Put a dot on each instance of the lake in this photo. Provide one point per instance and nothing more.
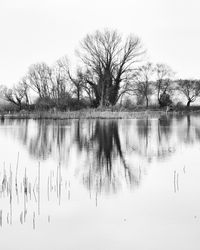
(100, 184)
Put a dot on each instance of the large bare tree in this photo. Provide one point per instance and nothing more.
(109, 61)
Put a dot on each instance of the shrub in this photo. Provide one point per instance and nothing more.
(165, 100)
(179, 104)
(44, 103)
(128, 104)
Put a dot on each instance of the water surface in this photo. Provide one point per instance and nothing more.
(100, 184)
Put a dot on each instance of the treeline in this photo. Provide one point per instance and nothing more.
(110, 71)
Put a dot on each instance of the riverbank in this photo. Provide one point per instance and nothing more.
(92, 114)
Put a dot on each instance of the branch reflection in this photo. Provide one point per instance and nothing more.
(106, 168)
(110, 150)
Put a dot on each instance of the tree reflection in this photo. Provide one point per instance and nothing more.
(189, 139)
(105, 147)
(165, 141)
(164, 127)
(39, 146)
(106, 167)
(153, 138)
(42, 138)
(144, 130)
(189, 131)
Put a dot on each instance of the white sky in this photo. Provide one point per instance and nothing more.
(45, 30)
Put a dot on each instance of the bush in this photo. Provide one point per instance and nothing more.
(140, 100)
(62, 104)
(165, 100)
(8, 107)
(44, 103)
(128, 104)
(179, 104)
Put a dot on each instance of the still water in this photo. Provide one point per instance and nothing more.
(100, 184)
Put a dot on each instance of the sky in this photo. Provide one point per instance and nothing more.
(33, 31)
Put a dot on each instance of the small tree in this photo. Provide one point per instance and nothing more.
(78, 84)
(143, 82)
(165, 100)
(61, 83)
(190, 89)
(23, 85)
(164, 84)
(40, 80)
(16, 95)
(50, 83)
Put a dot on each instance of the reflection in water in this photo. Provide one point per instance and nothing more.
(105, 156)
(46, 138)
(143, 131)
(153, 138)
(188, 129)
(165, 148)
(159, 138)
(42, 138)
(106, 166)
(164, 127)
(106, 145)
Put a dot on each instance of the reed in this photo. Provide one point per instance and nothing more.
(8, 183)
(34, 220)
(25, 190)
(1, 221)
(39, 188)
(174, 181)
(59, 183)
(10, 189)
(48, 187)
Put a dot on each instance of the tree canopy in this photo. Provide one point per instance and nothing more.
(108, 62)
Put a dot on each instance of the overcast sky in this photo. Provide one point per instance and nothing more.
(44, 30)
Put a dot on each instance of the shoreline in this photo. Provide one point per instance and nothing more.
(93, 114)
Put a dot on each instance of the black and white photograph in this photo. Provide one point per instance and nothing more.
(99, 125)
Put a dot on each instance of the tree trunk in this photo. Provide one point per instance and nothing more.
(188, 103)
(102, 104)
(147, 101)
(103, 95)
(160, 103)
(113, 94)
(78, 95)
(20, 106)
(97, 99)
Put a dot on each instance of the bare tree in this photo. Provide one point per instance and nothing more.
(164, 83)
(190, 89)
(78, 84)
(143, 82)
(60, 78)
(23, 85)
(40, 79)
(17, 95)
(50, 83)
(109, 62)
